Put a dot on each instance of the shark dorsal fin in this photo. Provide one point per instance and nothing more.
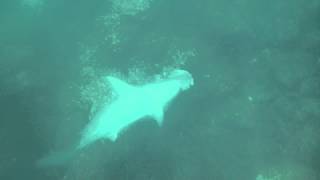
(119, 86)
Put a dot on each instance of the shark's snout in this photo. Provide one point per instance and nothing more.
(184, 77)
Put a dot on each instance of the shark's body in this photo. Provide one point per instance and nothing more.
(130, 104)
(133, 103)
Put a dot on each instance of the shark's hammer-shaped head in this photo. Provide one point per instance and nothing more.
(134, 102)
(183, 77)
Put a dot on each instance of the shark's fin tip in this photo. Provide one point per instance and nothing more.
(119, 86)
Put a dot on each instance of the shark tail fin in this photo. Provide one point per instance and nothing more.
(57, 159)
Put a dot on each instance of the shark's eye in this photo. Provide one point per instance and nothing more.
(180, 74)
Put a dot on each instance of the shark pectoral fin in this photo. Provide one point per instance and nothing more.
(158, 116)
(119, 86)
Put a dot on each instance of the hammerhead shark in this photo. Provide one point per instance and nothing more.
(131, 103)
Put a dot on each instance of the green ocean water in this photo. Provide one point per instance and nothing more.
(252, 114)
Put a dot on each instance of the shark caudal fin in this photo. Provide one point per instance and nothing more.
(57, 159)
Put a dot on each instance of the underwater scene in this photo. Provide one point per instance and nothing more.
(159, 90)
